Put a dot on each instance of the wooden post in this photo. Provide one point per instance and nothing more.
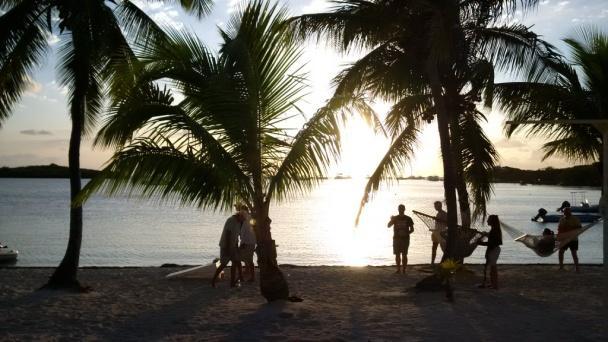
(603, 128)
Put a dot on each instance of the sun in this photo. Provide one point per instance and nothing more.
(362, 149)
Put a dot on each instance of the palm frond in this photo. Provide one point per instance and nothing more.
(23, 46)
(148, 169)
(409, 111)
(137, 25)
(514, 49)
(313, 150)
(479, 159)
(352, 24)
(398, 154)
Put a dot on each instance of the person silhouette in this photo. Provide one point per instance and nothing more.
(403, 227)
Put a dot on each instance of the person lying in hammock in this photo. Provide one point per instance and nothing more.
(547, 243)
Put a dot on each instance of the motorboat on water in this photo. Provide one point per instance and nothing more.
(554, 218)
(585, 212)
(7, 254)
(584, 207)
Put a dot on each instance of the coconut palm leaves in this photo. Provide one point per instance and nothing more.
(401, 47)
(229, 139)
(94, 52)
(568, 91)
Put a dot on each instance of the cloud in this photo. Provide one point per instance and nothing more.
(561, 5)
(168, 17)
(35, 132)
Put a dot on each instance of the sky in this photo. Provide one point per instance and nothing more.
(38, 131)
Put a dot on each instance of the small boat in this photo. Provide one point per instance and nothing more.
(584, 207)
(7, 254)
(554, 218)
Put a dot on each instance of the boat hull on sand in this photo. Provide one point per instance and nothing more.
(198, 272)
(8, 255)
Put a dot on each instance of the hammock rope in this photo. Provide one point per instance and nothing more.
(545, 246)
(467, 239)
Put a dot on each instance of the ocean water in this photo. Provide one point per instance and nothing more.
(316, 229)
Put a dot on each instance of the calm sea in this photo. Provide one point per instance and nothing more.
(317, 229)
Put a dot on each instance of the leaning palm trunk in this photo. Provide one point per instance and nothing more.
(65, 274)
(93, 43)
(449, 176)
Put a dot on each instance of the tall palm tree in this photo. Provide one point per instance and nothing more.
(229, 140)
(94, 48)
(432, 59)
(567, 90)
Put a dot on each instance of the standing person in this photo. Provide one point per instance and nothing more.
(229, 248)
(441, 220)
(492, 251)
(247, 244)
(403, 226)
(567, 223)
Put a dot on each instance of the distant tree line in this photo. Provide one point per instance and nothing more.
(584, 175)
(43, 171)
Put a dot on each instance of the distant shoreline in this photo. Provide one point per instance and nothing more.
(583, 175)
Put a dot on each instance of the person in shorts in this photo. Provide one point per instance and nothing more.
(441, 220)
(568, 223)
(403, 226)
(247, 246)
(492, 251)
(229, 248)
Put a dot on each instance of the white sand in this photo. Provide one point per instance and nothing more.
(535, 303)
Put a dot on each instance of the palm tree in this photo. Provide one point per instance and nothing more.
(431, 59)
(229, 139)
(93, 49)
(567, 90)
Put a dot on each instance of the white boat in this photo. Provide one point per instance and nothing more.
(7, 254)
(198, 272)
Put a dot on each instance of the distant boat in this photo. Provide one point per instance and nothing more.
(584, 207)
(342, 176)
(553, 218)
(7, 254)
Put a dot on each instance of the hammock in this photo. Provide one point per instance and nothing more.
(544, 246)
(467, 239)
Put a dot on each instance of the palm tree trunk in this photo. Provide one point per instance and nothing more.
(449, 176)
(461, 185)
(273, 284)
(65, 276)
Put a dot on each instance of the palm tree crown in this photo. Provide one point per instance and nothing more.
(567, 90)
(228, 140)
(94, 51)
(463, 39)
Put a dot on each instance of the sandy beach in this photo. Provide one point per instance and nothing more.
(535, 303)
